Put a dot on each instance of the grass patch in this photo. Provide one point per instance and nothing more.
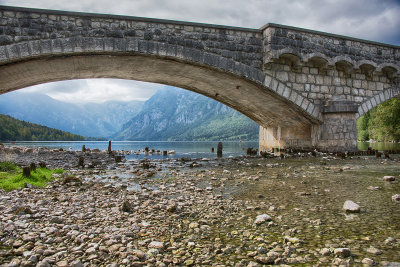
(11, 177)
(8, 166)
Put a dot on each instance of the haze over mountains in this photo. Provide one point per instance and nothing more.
(170, 114)
(90, 119)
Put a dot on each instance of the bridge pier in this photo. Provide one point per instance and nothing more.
(282, 138)
(338, 132)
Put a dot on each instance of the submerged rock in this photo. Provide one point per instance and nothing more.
(350, 206)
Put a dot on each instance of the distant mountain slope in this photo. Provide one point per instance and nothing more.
(15, 130)
(176, 114)
(92, 119)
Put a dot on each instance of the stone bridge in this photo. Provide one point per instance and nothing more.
(305, 88)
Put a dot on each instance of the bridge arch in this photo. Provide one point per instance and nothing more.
(377, 99)
(242, 87)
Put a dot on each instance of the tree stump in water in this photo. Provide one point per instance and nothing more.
(26, 171)
(219, 150)
(33, 166)
(81, 161)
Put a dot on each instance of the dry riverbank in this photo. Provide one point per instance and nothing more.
(205, 212)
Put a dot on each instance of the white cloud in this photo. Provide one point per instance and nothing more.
(96, 90)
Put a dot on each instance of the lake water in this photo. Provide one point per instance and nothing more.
(193, 149)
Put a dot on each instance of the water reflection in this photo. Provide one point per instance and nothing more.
(381, 146)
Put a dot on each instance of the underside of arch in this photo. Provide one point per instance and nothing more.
(378, 99)
(255, 101)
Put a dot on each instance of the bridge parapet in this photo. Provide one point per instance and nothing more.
(26, 32)
(330, 50)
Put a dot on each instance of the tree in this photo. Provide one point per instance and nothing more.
(381, 123)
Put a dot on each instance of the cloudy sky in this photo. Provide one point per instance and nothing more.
(376, 20)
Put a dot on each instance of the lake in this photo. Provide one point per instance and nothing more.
(193, 149)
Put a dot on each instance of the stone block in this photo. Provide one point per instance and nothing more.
(282, 76)
(293, 97)
(299, 100)
(286, 92)
(57, 47)
(281, 88)
(310, 78)
(274, 85)
(3, 54)
(315, 88)
(325, 89)
(267, 81)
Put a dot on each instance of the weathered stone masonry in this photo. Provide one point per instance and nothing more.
(304, 88)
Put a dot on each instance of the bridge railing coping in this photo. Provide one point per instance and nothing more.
(124, 17)
(195, 24)
(338, 36)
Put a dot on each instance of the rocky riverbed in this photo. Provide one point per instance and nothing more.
(245, 211)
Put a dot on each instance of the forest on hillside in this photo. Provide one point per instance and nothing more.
(381, 123)
(15, 130)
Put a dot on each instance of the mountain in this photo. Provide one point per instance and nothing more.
(176, 114)
(91, 119)
(15, 130)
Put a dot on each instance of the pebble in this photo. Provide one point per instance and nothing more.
(389, 178)
(342, 252)
(262, 219)
(350, 206)
(368, 261)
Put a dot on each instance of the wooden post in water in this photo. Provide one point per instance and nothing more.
(219, 150)
(81, 162)
(26, 171)
(33, 166)
(109, 147)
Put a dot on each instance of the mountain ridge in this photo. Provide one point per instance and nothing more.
(175, 114)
